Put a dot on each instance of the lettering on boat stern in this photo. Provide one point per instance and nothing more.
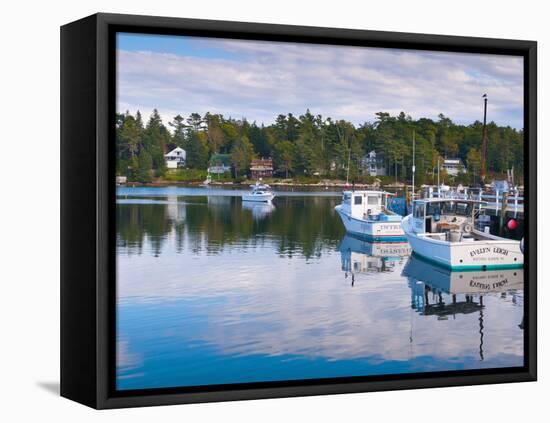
(485, 250)
(487, 286)
(388, 228)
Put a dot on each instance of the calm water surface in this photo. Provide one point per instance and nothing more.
(211, 290)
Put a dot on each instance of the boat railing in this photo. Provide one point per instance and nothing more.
(497, 199)
(493, 200)
(440, 236)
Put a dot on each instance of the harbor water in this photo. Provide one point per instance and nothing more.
(213, 290)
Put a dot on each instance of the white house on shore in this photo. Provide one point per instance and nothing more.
(175, 158)
(372, 165)
(453, 166)
(219, 164)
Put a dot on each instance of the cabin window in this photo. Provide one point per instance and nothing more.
(418, 211)
(372, 201)
(433, 209)
(464, 209)
(357, 200)
(346, 198)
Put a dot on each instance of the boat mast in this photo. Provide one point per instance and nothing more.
(484, 141)
(349, 160)
(413, 167)
(438, 185)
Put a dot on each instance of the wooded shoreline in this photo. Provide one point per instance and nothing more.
(247, 183)
(311, 147)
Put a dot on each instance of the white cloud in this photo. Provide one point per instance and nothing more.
(260, 80)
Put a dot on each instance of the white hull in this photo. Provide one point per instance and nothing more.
(259, 198)
(374, 230)
(495, 253)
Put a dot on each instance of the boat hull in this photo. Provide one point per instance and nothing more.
(499, 253)
(372, 230)
(258, 198)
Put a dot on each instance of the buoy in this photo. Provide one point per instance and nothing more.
(512, 224)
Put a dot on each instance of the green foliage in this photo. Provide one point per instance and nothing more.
(186, 175)
(178, 135)
(307, 180)
(144, 167)
(365, 179)
(283, 157)
(197, 150)
(315, 147)
(242, 153)
(130, 137)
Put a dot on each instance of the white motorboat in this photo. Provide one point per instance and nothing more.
(207, 181)
(365, 214)
(443, 231)
(260, 193)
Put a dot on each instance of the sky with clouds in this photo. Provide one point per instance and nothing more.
(259, 80)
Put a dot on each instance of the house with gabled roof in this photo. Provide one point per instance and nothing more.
(175, 158)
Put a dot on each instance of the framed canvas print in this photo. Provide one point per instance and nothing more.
(255, 211)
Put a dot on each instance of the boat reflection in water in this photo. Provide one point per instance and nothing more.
(441, 292)
(363, 257)
(259, 210)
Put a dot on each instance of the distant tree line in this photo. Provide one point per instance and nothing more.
(315, 146)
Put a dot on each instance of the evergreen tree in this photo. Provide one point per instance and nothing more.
(197, 151)
(144, 167)
(283, 157)
(242, 153)
(179, 130)
(155, 139)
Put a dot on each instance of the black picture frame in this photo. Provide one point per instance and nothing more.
(88, 199)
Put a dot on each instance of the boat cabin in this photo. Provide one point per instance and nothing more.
(260, 188)
(433, 215)
(364, 204)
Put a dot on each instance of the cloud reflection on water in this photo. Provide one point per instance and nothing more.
(249, 300)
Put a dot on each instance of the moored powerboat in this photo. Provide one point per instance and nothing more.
(365, 214)
(260, 193)
(443, 231)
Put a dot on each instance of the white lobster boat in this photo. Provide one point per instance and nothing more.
(260, 193)
(443, 231)
(365, 214)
